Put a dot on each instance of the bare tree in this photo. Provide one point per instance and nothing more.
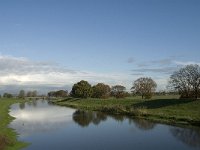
(186, 81)
(144, 86)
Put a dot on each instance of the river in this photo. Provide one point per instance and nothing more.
(50, 127)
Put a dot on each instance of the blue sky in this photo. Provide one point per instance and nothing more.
(100, 38)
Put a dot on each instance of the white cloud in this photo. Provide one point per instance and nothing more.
(23, 72)
(186, 63)
(163, 70)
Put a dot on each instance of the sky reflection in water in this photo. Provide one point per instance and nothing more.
(39, 116)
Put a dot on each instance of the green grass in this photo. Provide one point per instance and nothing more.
(167, 109)
(8, 137)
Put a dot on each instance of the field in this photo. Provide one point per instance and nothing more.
(8, 138)
(166, 109)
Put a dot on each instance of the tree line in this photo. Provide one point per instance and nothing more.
(143, 86)
(22, 94)
(185, 82)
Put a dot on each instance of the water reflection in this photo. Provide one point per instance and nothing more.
(118, 118)
(190, 137)
(143, 124)
(22, 105)
(29, 103)
(39, 116)
(51, 127)
(84, 118)
(34, 102)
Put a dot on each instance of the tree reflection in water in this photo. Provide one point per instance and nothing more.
(84, 118)
(22, 105)
(34, 102)
(29, 103)
(118, 118)
(142, 124)
(190, 137)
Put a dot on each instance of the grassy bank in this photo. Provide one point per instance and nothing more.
(166, 109)
(8, 137)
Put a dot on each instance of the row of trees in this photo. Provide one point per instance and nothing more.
(23, 94)
(7, 95)
(143, 86)
(83, 89)
(185, 81)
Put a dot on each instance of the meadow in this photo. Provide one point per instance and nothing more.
(166, 109)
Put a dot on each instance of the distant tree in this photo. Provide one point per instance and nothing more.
(60, 93)
(51, 94)
(161, 92)
(7, 95)
(29, 94)
(101, 90)
(145, 87)
(34, 93)
(186, 81)
(127, 94)
(81, 89)
(21, 94)
(118, 91)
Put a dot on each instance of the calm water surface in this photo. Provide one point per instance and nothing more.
(51, 127)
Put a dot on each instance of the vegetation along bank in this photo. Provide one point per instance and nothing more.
(8, 137)
(166, 109)
(183, 108)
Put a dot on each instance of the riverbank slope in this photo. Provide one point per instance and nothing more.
(8, 137)
(166, 109)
